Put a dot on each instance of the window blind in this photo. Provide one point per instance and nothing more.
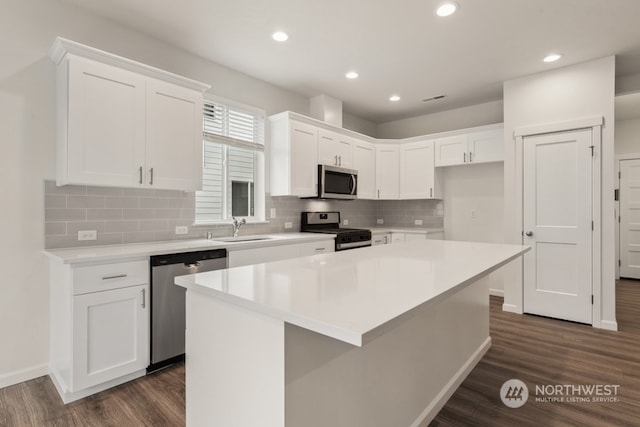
(230, 125)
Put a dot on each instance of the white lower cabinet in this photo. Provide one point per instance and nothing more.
(99, 326)
(276, 253)
(110, 335)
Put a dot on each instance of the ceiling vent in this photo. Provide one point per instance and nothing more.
(434, 98)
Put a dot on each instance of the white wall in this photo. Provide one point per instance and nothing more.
(563, 94)
(479, 188)
(27, 132)
(627, 137)
(358, 124)
(475, 115)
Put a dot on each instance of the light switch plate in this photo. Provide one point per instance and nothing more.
(288, 225)
(182, 229)
(272, 214)
(418, 222)
(380, 221)
(474, 213)
(87, 235)
(345, 222)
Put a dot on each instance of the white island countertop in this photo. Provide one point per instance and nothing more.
(352, 295)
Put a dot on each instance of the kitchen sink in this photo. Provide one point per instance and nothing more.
(242, 239)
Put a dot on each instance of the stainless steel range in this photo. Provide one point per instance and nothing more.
(329, 223)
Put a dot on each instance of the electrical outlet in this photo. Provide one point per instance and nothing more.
(379, 221)
(87, 235)
(474, 213)
(273, 213)
(418, 222)
(288, 225)
(182, 229)
(345, 222)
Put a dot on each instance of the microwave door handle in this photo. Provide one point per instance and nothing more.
(352, 189)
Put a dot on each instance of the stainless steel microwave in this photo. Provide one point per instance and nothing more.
(337, 183)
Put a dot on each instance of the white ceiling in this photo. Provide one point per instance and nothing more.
(398, 47)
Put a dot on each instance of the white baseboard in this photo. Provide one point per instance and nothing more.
(496, 292)
(511, 308)
(445, 394)
(23, 375)
(609, 325)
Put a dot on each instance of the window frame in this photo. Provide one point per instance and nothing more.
(259, 176)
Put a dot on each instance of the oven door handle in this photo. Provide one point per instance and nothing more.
(352, 185)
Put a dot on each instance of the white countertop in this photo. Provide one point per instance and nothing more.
(413, 230)
(350, 295)
(143, 250)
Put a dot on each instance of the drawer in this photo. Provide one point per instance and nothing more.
(96, 278)
(312, 248)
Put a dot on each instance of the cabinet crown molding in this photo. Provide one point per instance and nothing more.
(61, 47)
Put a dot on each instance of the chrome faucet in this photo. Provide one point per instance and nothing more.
(237, 224)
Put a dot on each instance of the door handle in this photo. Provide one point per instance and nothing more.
(529, 233)
(140, 181)
(151, 178)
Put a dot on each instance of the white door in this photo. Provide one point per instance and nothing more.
(557, 222)
(111, 335)
(630, 218)
(174, 137)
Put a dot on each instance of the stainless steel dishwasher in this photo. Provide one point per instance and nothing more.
(168, 301)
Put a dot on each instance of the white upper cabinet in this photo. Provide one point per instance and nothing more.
(451, 150)
(334, 149)
(122, 123)
(103, 142)
(486, 146)
(364, 161)
(417, 171)
(174, 136)
(387, 171)
(294, 157)
(474, 147)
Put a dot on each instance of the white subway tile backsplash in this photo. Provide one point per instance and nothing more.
(124, 215)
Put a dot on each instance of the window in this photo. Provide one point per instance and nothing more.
(233, 166)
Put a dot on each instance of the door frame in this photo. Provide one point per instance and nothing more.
(595, 124)
(618, 158)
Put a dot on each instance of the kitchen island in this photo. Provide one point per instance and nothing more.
(377, 336)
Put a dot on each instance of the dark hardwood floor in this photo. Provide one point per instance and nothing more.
(536, 350)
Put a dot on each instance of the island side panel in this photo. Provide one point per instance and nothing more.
(234, 365)
(401, 378)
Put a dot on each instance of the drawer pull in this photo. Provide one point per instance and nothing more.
(320, 249)
(117, 276)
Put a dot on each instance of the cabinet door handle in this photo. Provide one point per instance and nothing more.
(470, 157)
(464, 157)
(431, 192)
(140, 181)
(319, 249)
(144, 298)
(339, 160)
(151, 176)
(386, 240)
(335, 160)
(378, 194)
(116, 276)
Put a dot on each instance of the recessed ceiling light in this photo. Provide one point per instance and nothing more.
(280, 36)
(351, 75)
(552, 57)
(446, 9)
(394, 98)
